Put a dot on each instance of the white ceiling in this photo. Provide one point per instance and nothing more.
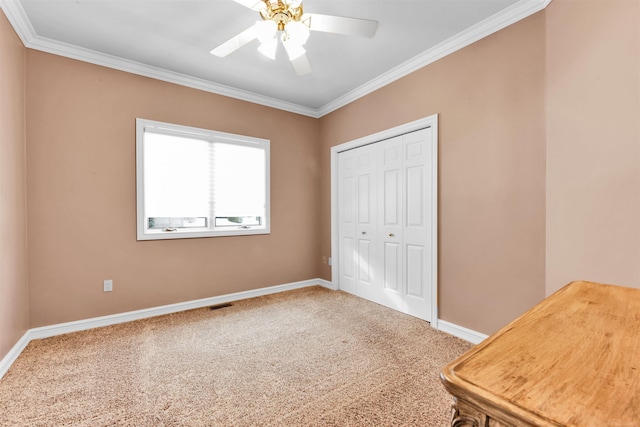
(171, 40)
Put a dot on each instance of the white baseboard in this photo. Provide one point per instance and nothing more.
(327, 284)
(13, 354)
(461, 332)
(97, 322)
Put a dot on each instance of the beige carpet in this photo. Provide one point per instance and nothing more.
(310, 357)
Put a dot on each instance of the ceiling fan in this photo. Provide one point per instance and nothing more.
(285, 21)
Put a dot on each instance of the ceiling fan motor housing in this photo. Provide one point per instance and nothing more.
(281, 13)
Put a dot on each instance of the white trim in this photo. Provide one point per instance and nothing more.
(430, 121)
(13, 354)
(433, 122)
(22, 26)
(495, 23)
(461, 332)
(143, 231)
(327, 284)
(98, 322)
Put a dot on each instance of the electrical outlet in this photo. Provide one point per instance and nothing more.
(108, 285)
(330, 261)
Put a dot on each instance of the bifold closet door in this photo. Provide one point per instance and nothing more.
(358, 222)
(404, 209)
(418, 239)
(384, 223)
(390, 202)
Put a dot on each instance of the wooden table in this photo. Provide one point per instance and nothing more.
(572, 360)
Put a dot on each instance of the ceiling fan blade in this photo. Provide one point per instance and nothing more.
(235, 43)
(301, 65)
(297, 56)
(340, 25)
(257, 5)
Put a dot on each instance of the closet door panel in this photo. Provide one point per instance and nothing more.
(415, 271)
(417, 227)
(368, 278)
(392, 267)
(347, 221)
(365, 212)
(390, 207)
(348, 259)
(392, 198)
(415, 197)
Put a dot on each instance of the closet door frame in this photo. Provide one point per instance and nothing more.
(426, 122)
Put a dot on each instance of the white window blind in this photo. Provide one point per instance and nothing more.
(200, 183)
(238, 180)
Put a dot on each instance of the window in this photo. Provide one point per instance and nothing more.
(199, 183)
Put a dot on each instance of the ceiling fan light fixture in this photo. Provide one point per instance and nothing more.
(297, 32)
(269, 47)
(285, 20)
(265, 31)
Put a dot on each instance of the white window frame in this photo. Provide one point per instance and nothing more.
(143, 233)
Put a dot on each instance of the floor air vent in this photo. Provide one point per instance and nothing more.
(219, 306)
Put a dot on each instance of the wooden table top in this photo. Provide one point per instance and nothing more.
(572, 360)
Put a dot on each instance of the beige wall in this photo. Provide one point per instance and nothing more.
(490, 101)
(593, 142)
(539, 175)
(14, 303)
(81, 194)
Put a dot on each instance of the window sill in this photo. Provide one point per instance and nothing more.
(195, 234)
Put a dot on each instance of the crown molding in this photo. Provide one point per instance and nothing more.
(22, 26)
(496, 22)
(18, 19)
